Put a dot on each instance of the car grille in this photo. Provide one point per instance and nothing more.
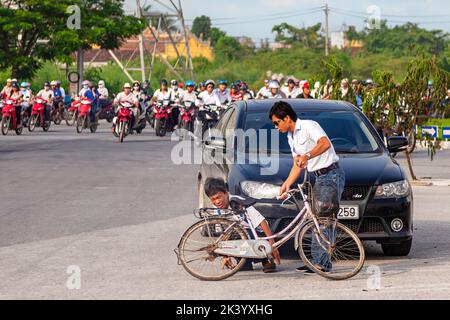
(355, 193)
(368, 225)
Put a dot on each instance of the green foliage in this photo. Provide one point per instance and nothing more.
(201, 27)
(215, 34)
(103, 23)
(227, 48)
(307, 37)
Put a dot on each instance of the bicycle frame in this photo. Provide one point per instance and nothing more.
(299, 222)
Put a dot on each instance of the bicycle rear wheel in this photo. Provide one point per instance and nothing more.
(197, 245)
(335, 253)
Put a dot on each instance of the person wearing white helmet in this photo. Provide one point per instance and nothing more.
(263, 91)
(344, 89)
(274, 91)
(209, 96)
(127, 96)
(327, 90)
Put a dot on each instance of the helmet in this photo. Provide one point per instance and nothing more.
(317, 85)
(430, 83)
(58, 82)
(85, 82)
(28, 84)
(369, 81)
(243, 86)
(190, 83)
(174, 82)
(136, 83)
(46, 84)
(53, 83)
(202, 84)
(23, 85)
(223, 82)
(291, 81)
(8, 81)
(273, 84)
(101, 83)
(305, 85)
(127, 85)
(163, 82)
(15, 84)
(207, 83)
(147, 83)
(234, 86)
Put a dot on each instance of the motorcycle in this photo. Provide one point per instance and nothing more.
(211, 117)
(57, 113)
(187, 112)
(37, 118)
(84, 117)
(9, 121)
(163, 112)
(107, 113)
(72, 112)
(122, 123)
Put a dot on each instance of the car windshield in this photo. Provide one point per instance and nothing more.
(346, 130)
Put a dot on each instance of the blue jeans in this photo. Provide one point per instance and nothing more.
(336, 177)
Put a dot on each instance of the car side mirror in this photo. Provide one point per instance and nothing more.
(216, 143)
(397, 144)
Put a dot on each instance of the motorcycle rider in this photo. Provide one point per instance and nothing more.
(16, 95)
(6, 91)
(306, 93)
(176, 92)
(263, 91)
(291, 91)
(162, 94)
(47, 95)
(57, 95)
(207, 97)
(235, 93)
(92, 94)
(274, 91)
(27, 97)
(103, 95)
(188, 95)
(223, 93)
(127, 96)
(84, 88)
(243, 90)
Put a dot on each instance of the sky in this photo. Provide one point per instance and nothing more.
(255, 18)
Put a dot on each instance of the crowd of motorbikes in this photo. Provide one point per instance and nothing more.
(77, 112)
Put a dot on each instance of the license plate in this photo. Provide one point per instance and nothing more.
(348, 212)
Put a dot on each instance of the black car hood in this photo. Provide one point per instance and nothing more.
(360, 169)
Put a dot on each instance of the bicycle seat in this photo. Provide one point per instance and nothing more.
(238, 202)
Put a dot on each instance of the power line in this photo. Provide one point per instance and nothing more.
(264, 15)
(392, 15)
(266, 19)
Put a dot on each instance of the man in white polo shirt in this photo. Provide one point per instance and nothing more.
(311, 149)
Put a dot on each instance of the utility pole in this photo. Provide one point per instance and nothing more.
(141, 40)
(326, 28)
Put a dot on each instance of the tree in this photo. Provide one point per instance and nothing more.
(37, 31)
(307, 37)
(201, 27)
(227, 47)
(215, 34)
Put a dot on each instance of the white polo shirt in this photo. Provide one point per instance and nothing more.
(304, 139)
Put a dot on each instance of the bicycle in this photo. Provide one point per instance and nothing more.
(216, 247)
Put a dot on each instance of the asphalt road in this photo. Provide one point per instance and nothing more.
(84, 205)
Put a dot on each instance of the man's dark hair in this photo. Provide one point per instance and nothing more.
(282, 109)
(215, 185)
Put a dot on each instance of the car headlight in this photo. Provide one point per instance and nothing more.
(260, 190)
(397, 189)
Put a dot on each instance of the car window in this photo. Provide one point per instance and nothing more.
(346, 130)
(221, 125)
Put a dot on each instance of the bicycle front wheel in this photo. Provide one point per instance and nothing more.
(197, 245)
(335, 252)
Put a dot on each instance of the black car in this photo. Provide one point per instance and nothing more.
(377, 202)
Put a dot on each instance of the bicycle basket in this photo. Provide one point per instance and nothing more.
(325, 202)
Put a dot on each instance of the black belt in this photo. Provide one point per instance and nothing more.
(323, 171)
